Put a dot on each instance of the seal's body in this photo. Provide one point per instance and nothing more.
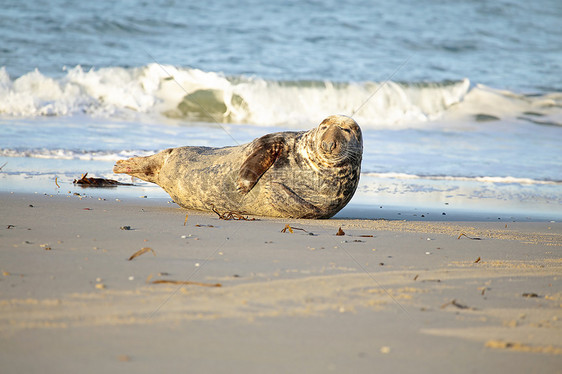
(310, 174)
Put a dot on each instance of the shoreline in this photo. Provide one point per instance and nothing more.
(390, 294)
(376, 198)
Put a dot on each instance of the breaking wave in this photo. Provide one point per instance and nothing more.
(157, 92)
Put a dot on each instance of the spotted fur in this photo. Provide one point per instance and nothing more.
(310, 174)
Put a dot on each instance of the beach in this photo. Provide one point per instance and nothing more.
(433, 296)
(447, 259)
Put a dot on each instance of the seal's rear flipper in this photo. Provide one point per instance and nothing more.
(145, 168)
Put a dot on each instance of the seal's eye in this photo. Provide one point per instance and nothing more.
(346, 130)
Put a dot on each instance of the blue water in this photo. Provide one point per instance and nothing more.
(513, 45)
(469, 92)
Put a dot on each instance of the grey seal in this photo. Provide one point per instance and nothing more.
(305, 174)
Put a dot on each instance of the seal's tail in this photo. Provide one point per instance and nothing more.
(145, 168)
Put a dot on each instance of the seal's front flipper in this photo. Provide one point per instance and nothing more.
(145, 168)
(265, 151)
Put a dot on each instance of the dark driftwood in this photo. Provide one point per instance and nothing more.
(98, 182)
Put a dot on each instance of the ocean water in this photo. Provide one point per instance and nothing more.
(460, 103)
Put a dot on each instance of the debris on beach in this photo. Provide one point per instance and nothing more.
(469, 237)
(84, 181)
(142, 251)
(287, 227)
(477, 260)
(340, 232)
(227, 216)
(385, 350)
(167, 281)
(456, 304)
(291, 228)
(521, 347)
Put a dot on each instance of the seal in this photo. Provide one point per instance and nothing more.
(306, 174)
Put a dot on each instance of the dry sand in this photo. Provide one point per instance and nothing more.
(386, 296)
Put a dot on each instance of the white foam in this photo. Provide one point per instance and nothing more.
(66, 154)
(484, 179)
(123, 93)
(508, 105)
(105, 92)
(112, 156)
(152, 91)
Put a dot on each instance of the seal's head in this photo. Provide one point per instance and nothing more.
(338, 140)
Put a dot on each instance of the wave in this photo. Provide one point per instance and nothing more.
(67, 154)
(191, 95)
(490, 179)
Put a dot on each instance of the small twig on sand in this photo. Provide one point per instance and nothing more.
(142, 251)
(463, 234)
(455, 303)
(166, 281)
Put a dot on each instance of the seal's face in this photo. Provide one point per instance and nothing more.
(338, 139)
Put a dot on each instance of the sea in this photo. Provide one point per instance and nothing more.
(460, 103)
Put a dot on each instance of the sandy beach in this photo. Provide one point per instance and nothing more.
(446, 259)
(406, 296)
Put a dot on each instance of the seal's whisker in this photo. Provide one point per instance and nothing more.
(381, 85)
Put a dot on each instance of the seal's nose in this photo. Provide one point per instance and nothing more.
(328, 146)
